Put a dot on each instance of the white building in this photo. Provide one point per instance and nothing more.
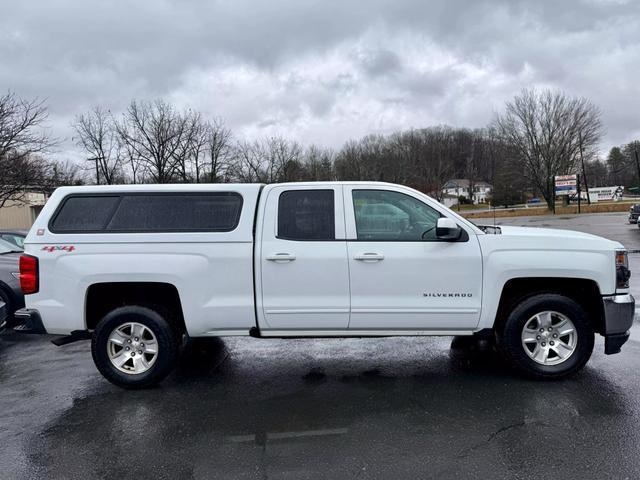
(449, 200)
(459, 187)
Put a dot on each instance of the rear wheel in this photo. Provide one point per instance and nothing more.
(547, 336)
(134, 347)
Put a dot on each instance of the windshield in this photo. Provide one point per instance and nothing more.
(6, 247)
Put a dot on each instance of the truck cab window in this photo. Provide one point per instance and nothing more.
(384, 215)
(306, 215)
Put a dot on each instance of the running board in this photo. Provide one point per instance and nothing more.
(75, 336)
(254, 332)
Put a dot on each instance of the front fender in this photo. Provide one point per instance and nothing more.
(500, 266)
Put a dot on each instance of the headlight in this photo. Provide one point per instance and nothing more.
(622, 269)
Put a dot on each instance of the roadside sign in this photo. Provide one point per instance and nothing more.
(566, 184)
(604, 194)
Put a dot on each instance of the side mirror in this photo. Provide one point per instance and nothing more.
(447, 229)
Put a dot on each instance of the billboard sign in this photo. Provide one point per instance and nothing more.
(604, 194)
(566, 184)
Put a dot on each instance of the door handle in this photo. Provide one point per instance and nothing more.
(369, 257)
(281, 257)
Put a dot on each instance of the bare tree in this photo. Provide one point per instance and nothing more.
(96, 134)
(20, 174)
(21, 123)
(434, 154)
(61, 174)
(188, 157)
(219, 148)
(631, 169)
(284, 157)
(246, 164)
(133, 165)
(269, 160)
(618, 167)
(318, 163)
(23, 140)
(545, 129)
(154, 135)
(348, 164)
(422, 158)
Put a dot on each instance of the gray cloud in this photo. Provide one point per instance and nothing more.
(319, 71)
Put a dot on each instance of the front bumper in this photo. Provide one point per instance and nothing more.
(29, 321)
(619, 311)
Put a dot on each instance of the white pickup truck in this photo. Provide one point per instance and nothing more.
(136, 268)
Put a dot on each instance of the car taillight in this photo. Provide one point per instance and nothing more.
(622, 269)
(29, 281)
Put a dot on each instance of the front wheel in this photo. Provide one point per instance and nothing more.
(134, 347)
(547, 336)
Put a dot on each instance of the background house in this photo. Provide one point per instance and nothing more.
(459, 187)
(22, 213)
(448, 200)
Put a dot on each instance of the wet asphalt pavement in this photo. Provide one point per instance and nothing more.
(345, 408)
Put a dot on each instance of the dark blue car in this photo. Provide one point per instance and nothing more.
(16, 237)
(10, 293)
(634, 213)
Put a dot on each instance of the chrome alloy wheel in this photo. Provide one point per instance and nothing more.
(132, 348)
(549, 338)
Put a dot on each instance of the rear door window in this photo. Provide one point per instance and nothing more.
(306, 215)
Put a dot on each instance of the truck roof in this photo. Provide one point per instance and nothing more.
(166, 187)
(185, 187)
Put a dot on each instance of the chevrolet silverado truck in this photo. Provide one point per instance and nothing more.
(139, 268)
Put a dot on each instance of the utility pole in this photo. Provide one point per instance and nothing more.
(552, 181)
(579, 192)
(493, 186)
(95, 159)
(584, 172)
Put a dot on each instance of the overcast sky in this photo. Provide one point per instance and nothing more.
(321, 71)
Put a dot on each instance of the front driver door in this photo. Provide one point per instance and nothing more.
(402, 276)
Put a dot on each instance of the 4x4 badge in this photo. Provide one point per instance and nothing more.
(55, 248)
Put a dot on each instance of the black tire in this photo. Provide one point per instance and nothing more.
(4, 297)
(510, 340)
(168, 347)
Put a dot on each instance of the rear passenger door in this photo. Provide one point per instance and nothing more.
(303, 259)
